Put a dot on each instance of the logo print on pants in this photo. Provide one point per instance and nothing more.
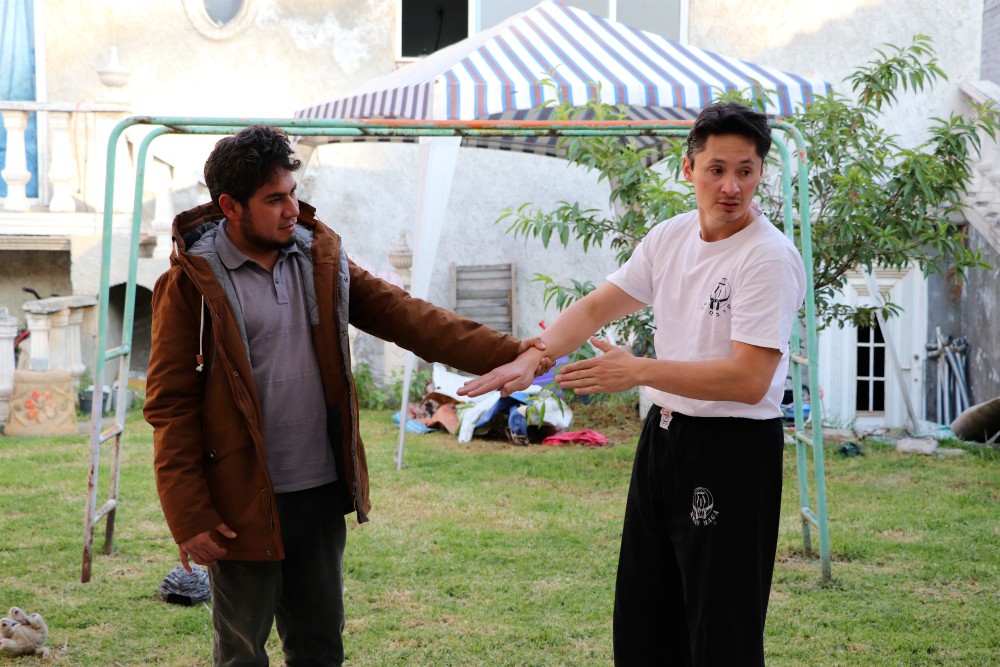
(702, 504)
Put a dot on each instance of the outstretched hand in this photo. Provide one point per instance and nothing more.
(510, 377)
(615, 370)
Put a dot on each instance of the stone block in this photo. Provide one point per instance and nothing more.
(42, 404)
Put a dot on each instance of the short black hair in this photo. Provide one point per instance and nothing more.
(241, 163)
(729, 118)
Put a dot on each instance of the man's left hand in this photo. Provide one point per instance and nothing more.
(615, 370)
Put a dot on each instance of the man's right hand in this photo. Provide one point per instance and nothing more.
(202, 548)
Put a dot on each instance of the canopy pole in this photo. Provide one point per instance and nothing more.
(438, 158)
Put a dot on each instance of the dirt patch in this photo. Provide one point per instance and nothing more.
(618, 422)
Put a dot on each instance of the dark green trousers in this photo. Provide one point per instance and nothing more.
(303, 593)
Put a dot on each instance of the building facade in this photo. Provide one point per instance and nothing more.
(89, 65)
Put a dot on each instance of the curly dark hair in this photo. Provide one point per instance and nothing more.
(729, 118)
(241, 163)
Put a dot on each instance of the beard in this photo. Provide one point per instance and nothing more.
(260, 241)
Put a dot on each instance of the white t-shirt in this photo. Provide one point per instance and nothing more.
(744, 288)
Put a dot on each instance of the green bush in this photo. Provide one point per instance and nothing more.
(373, 397)
(370, 396)
(418, 384)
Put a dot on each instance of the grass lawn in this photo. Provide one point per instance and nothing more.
(489, 554)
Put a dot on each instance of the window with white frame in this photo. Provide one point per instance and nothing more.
(870, 379)
(427, 26)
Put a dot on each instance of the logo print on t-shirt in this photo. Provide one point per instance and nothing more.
(702, 507)
(718, 301)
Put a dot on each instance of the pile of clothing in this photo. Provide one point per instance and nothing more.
(524, 417)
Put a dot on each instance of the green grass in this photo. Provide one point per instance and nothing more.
(490, 554)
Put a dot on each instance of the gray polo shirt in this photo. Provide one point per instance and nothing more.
(285, 369)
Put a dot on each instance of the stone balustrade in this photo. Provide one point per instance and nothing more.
(55, 341)
(57, 162)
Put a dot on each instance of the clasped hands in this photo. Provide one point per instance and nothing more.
(612, 371)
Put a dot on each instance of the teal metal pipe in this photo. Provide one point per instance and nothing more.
(815, 406)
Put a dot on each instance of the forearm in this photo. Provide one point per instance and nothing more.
(429, 331)
(745, 377)
(711, 380)
(585, 317)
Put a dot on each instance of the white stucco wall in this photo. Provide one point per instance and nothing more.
(830, 39)
(368, 193)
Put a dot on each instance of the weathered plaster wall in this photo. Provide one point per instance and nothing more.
(970, 309)
(290, 54)
(45, 271)
(368, 193)
(831, 39)
(981, 313)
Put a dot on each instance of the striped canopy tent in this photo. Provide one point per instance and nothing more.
(498, 74)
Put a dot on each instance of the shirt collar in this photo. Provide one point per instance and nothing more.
(231, 256)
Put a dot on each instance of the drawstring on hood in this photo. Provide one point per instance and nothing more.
(200, 357)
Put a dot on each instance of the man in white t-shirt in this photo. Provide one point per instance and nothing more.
(701, 521)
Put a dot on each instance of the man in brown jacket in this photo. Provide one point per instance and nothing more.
(257, 453)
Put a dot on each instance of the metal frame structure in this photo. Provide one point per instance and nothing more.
(811, 437)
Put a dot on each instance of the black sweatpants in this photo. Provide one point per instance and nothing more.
(303, 593)
(698, 544)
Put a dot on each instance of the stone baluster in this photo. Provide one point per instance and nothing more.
(39, 317)
(74, 342)
(61, 165)
(15, 172)
(58, 340)
(8, 332)
(401, 259)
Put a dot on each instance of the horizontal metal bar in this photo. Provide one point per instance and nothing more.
(404, 123)
(111, 432)
(804, 438)
(810, 516)
(641, 130)
(119, 351)
(104, 509)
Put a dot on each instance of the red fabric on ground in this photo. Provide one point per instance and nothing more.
(587, 437)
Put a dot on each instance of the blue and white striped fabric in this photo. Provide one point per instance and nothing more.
(496, 75)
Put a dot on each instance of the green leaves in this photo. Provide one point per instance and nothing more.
(875, 203)
(908, 68)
